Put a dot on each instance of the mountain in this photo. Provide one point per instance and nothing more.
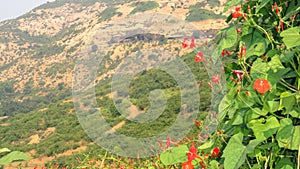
(39, 51)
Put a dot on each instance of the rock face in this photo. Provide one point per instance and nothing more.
(144, 37)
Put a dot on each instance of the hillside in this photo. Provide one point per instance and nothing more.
(39, 52)
(38, 49)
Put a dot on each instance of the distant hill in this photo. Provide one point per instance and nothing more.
(38, 52)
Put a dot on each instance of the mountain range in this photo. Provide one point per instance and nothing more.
(39, 51)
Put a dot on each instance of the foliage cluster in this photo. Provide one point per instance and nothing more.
(108, 13)
(144, 6)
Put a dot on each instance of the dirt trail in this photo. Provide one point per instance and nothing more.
(134, 112)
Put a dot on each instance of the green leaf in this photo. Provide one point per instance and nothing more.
(231, 3)
(292, 9)
(174, 155)
(275, 63)
(291, 37)
(288, 136)
(251, 146)
(207, 145)
(271, 106)
(284, 163)
(262, 4)
(246, 29)
(294, 114)
(287, 100)
(259, 69)
(4, 150)
(226, 105)
(14, 156)
(235, 152)
(255, 43)
(229, 39)
(263, 129)
(274, 77)
(252, 114)
(238, 117)
(214, 165)
(287, 56)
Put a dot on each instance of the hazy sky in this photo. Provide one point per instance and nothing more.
(10, 9)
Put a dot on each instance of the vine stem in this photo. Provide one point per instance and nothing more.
(248, 105)
(102, 162)
(298, 157)
(267, 161)
(263, 30)
(284, 83)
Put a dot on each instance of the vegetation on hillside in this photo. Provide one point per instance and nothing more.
(68, 134)
(108, 13)
(144, 6)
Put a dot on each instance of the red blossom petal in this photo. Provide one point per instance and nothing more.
(216, 152)
(197, 123)
(281, 25)
(168, 143)
(242, 53)
(187, 165)
(199, 57)
(192, 45)
(184, 44)
(239, 74)
(192, 154)
(216, 78)
(262, 85)
(223, 53)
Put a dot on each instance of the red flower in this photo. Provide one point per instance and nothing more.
(192, 154)
(215, 152)
(184, 44)
(239, 74)
(168, 143)
(262, 85)
(187, 165)
(225, 52)
(199, 57)
(237, 13)
(276, 8)
(197, 123)
(242, 53)
(216, 78)
(202, 165)
(192, 45)
(281, 25)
